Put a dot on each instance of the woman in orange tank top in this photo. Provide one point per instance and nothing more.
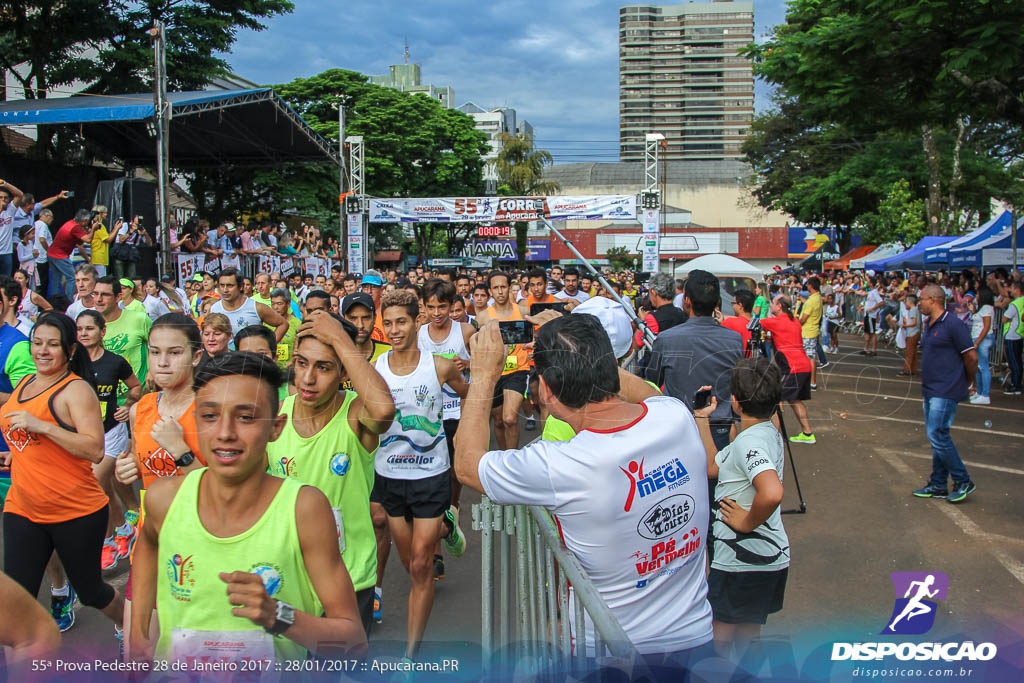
(53, 425)
(164, 442)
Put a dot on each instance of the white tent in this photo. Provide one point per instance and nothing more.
(883, 252)
(722, 264)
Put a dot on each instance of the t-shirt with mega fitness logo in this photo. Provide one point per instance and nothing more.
(755, 450)
(632, 505)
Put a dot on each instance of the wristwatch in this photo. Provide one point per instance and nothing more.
(283, 620)
(185, 460)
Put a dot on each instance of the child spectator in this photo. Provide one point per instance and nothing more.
(750, 561)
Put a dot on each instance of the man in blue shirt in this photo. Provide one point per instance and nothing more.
(948, 364)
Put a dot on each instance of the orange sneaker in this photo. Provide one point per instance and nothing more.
(109, 556)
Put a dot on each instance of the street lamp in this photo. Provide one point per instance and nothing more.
(672, 260)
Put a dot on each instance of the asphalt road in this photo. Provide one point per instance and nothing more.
(861, 524)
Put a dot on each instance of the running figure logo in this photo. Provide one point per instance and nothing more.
(914, 612)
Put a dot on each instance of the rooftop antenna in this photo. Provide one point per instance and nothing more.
(406, 50)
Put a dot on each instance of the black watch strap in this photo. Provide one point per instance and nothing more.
(185, 459)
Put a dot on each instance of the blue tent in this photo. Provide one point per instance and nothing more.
(993, 251)
(912, 258)
(210, 128)
(935, 257)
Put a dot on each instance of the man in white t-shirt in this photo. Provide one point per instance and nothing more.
(43, 239)
(629, 491)
(571, 289)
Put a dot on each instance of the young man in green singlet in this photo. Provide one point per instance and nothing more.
(331, 436)
(221, 551)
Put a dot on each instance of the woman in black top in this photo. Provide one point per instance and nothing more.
(111, 370)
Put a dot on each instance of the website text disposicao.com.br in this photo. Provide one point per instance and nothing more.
(944, 673)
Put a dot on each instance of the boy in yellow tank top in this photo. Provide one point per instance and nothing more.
(221, 551)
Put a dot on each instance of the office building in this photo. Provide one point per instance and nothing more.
(494, 122)
(681, 75)
(406, 77)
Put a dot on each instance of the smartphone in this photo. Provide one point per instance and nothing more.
(70, 194)
(701, 399)
(516, 331)
(537, 308)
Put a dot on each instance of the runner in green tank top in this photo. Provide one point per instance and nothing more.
(331, 437)
(221, 551)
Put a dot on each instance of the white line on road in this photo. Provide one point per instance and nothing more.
(981, 465)
(961, 520)
(920, 423)
(917, 398)
(874, 378)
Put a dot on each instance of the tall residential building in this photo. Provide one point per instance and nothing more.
(406, 77)
(680, 75)
(494, 122)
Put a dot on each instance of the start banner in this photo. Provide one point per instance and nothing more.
(503, 209)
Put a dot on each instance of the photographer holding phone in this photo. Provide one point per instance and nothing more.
(130, 234)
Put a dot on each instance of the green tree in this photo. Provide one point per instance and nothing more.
(414, 147)
(945, 72)
(620, 258)
(900, 217)
(106, 44)
(521, 174)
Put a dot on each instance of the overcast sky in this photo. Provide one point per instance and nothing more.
(555, 63)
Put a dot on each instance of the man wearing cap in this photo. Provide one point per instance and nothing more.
(196, 299)
(360, 310)
(373, 284)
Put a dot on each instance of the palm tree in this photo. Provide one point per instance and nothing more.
(520, 174)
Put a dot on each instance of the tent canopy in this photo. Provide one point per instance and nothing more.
(939, 255)
(208, 128)
(722, 264)
(994, 250)
(843, 262)
(912, 258)
(878, 254)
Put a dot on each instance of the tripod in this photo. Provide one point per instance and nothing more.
(755, 345)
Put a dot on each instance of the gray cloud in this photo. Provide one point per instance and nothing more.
(556, 63)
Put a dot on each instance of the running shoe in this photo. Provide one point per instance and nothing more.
(438, 567)
(814, 387)
(62, 608)
(1012, 392)
(455, 541)
(979, 400)
(803, 438)
(961, 491)
(864, 352)
(132, 517)
(931, 492)
(109, 555)
(822, 366)
(377, 606)
(531, 424)
(125, 543)
(119, 636)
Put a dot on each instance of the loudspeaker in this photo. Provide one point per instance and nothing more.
(129, 197)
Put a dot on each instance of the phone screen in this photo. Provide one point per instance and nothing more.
(701, 399)
(537, 308)
(516, 331)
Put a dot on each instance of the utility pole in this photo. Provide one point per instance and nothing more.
(162, 119)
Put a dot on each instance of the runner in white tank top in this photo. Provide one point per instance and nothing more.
(27, 310)
(412, 462)
(243, 316)
(244, 311)
(452, 347)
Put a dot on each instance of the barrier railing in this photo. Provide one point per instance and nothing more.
(188, 264)
(530, 617)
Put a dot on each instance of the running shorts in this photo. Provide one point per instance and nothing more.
(514, 381)
(425, 498)
(116, 441)
(811, 347)
(796, 387)
(746, 597)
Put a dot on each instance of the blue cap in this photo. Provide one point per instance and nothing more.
(374, 280)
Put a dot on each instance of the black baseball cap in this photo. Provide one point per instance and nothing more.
(359, 298)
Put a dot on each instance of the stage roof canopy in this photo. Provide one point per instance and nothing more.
(252, 127)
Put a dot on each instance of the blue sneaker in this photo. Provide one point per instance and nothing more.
(62, 607)
(931, 492)
(376, 606)
(961, 491)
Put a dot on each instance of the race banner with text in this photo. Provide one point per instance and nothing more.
(498, 209)
(189, 265)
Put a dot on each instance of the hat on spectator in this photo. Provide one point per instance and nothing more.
(372, 277)
(125, 282)
(613, 319)
(230, 227)
(357, 299)
(198, 277)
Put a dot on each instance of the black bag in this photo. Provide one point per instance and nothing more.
(124, 251)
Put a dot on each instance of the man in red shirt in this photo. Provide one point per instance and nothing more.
(742, 311)
(69, 236)
(788, 340)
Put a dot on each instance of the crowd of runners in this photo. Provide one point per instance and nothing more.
(254, 447)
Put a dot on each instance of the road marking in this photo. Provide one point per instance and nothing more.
(981, 465)
(962, 520)
(873, 378)
(921, 424)
(917, 398)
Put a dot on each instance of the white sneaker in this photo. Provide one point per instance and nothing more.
(978, 399)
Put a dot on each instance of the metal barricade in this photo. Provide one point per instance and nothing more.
(525, 597)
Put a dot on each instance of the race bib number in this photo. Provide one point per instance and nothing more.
(283, 353)
(103, 410)
(511, 363)
(206, 654)
(340, 523)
